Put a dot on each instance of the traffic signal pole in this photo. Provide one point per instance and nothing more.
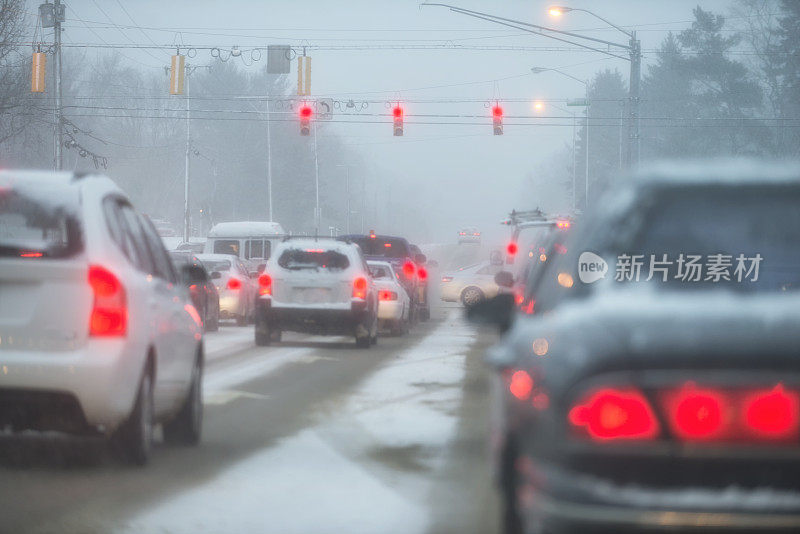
(635, 100)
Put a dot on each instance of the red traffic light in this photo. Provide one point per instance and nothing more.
(305, 119)
(306, 112)
(397, 111)
(497, 112)
(497, 119)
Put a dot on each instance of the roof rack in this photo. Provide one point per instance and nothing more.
(315, 238)
(519, 217)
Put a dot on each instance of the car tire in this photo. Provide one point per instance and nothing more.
(263, 333)
(212, 325)
(133, 441)
(471, 296)
(186, 428)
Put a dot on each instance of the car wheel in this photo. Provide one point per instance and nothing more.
(186, 427)
(425, 314)
(472, 296)
(133, 442)
(263, 333)
(212, 324)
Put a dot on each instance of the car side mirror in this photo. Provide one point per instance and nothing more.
(216, 275)
(497, 311)
(420, 259)
(504, 279)
(194, 274)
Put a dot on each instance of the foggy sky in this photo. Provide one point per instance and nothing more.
(464, 174)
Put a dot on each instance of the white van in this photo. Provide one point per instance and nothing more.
(252, 241)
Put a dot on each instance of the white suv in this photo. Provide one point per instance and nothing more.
(97, 336)
(317, 286)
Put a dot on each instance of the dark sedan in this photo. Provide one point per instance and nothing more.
(658, 384)
(204, 294)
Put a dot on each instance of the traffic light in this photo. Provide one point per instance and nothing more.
(398, 121)
(497, 119)
(38, 72)
(305, 119)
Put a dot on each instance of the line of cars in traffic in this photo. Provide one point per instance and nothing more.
(647, 377)
(102, 329)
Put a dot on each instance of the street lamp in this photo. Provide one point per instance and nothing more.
(633, 48)
(539, 70)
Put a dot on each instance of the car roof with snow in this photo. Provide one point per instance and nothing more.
(728, 171)
(58, 178)
(229, 257)
(246, 229)
(343, 247)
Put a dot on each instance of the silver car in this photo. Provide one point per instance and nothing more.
(470, 285)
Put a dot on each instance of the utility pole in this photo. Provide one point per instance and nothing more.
(635, 49)
(187, 216)
(269, 162)
(317, 213)
(586, 177)
(59, 133)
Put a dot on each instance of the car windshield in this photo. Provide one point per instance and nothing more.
(38, 221)
(301, 258)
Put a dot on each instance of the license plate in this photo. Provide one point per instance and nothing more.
(312, 295)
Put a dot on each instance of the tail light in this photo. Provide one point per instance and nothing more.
(772, 414)
(387, 295)
(408, 269)
(615, 414)
(360, 288)
(264, 284)
(512, 249)
(447, 279)
(563, 225)
(234, 284)
(422, 273)
(109, 312)
(697, 414)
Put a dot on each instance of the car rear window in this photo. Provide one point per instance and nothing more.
(758, 223)
(383, 247)
(226, 246)
(217, 265)
(39, 222)
(296, 259)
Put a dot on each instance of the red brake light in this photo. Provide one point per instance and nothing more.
(615, 414)
(773, 414)
(360, 288)
(234, 283)
(422, 273)
(30, 255)
(264, 284)
(109, 312)
(408, 269)
(387, 295)
(512, 249)
(563, 224)
(521, 385)
(387, 245)
(697, 414)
